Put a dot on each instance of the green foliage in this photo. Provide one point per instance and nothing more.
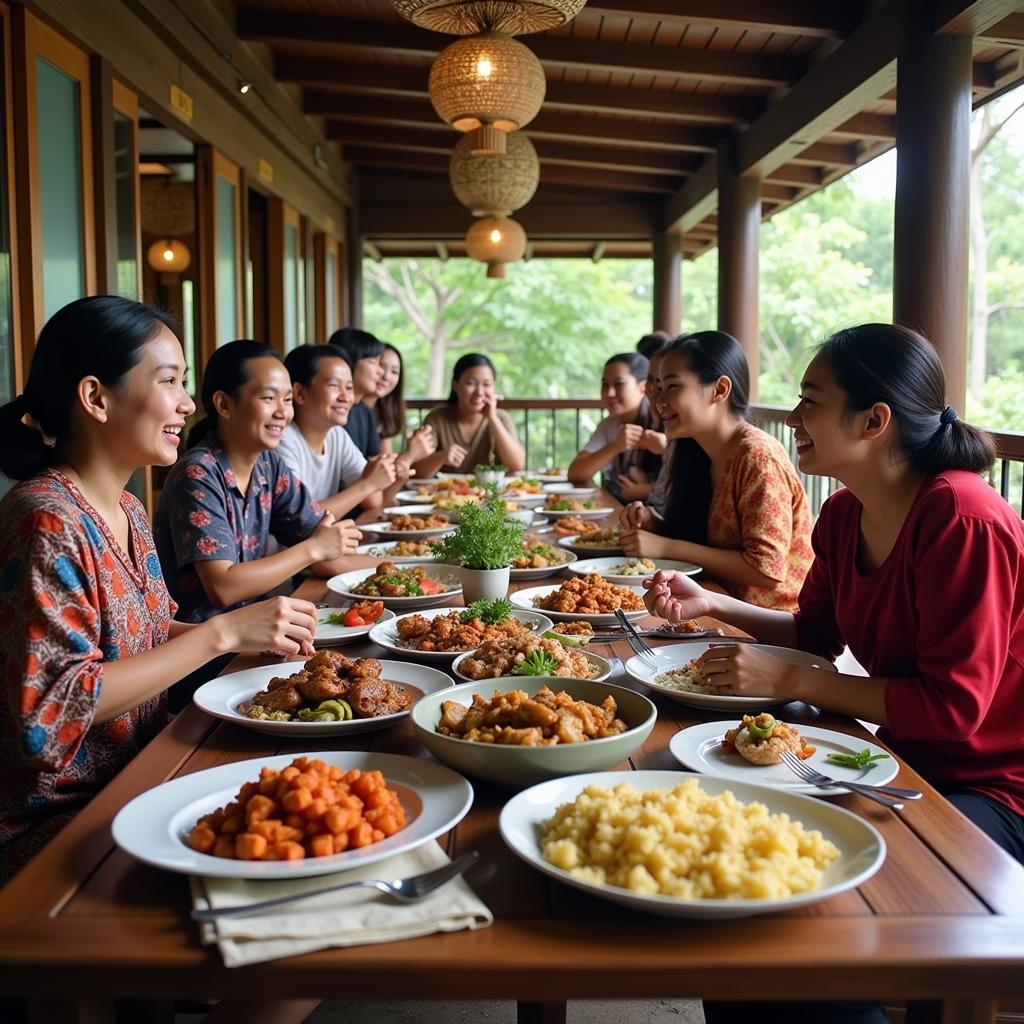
(489, 612)
(484, 538)
(538, 663)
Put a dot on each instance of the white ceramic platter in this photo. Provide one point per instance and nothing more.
(573, 543)
(525, 599)
(329, 635)
(383, 551)
(602, 668)
(385, 529)
(344, 582)
(604, 568)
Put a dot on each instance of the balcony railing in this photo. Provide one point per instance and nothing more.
(554, 429)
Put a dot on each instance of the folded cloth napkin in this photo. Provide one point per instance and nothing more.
(351, 918)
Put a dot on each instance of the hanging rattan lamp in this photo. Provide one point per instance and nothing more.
(487, 84)
(496, 241)
(465, 17)
(495, 185)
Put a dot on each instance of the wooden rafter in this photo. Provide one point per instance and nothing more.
(969, 17)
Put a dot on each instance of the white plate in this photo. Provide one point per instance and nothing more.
(424, 509)
(586, 513)
(572, 543)
(862, 849)
(603, 666)
(153, 826)
(466, 477)
(328, 635)
(384, 529)
(674, 655)
(564, 489)
(547, 570)
(387, 635)
(603, 567)
(345, 581)
(222, 696)
(409, 498)
(525, 500)
(382, 551)
(524, 599)
(549, 478)
(700, 748)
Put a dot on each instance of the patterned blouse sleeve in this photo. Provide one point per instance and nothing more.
(765, 511)
(294, 512)
(51, 639)
(200, 528)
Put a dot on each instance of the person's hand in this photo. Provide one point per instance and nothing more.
(490, 409)
(744, 671)
(380, 472)
(630, 436)
(676, 597)
(420, 444)
(635, 516)
(403, 469)
(633, 490)
(331, 540)
(455, 455)
(654, 441)
(279, 625)
(643, 544)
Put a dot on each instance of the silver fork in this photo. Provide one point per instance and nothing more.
(636, 641)
(888, 796)
(405, 890)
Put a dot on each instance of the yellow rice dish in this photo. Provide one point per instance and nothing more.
(685, 843)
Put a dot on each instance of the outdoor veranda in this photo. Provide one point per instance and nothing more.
(669, 127)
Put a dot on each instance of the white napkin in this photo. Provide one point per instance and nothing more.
(351, 918)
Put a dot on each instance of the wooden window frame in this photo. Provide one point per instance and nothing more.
(279, 215)
(21, 355)
(324, 243)
(125, 101)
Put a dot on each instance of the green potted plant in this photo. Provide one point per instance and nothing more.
(484, 545)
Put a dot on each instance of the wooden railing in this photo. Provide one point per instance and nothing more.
(554, 429)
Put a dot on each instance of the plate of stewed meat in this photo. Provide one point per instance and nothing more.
(326, 695)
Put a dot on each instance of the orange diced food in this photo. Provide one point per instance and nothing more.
(290, 851)
(297, 800)
(202, 838)
(321, 846)
(249, 846)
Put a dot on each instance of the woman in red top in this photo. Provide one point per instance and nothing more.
(87, 638)
(919, 570)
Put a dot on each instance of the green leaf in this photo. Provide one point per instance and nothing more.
(484, 538)
(539, 663)
(488, 611)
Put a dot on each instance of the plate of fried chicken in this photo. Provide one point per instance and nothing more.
(326, 695)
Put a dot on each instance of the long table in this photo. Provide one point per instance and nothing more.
(941, 925)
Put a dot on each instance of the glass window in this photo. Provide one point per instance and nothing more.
(125, 184)
(188, 331)
(227, 269)
(331, 294)
(6, 285)
(60, 186)
(291, 286)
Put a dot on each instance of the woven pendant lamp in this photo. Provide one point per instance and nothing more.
(487, 84)
(495, 185)
(466, 17)
(496, 241)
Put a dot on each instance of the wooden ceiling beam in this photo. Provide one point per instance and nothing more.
(562, 51)
(789, 17)
(969, 17)
(876, 127)
(372, 79)
(796, 174)
(696, 199)
(417, 112)
(1008, 32)
(832, 154)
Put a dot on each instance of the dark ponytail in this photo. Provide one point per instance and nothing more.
(468, 362)
(709, 355)
(896, 365)
(99, 336)
(226, 370)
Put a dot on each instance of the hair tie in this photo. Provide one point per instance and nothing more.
(948, 415)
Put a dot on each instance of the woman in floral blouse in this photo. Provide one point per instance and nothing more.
(232, 490)
(735, 504)
(87, 638)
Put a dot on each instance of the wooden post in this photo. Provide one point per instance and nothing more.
(104, 178)
(739, 226)
(932, 220)
(354, 268)
(667, 252)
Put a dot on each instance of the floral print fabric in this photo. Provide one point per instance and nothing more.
(759, 508)
(203, 516)
(71, 600)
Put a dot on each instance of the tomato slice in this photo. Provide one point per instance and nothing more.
(429, 586)
(362, 613)
(353, 618)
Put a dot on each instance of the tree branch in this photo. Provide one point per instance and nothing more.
(998, 307)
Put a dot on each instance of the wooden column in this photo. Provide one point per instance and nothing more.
(104, 178)
(353, 269)
(667, 252)
(933, 138)
(739, 226)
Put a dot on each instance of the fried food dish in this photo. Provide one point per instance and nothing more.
(590, 595)
(527, 655)
(309, 809)
(543, 720)
(600, 539)
(763, 740)
(428, 522)
(392, 580)
(444, 502)
(560, 504)
(406, 549)
(574, 629)
(521, 486)
(537, 555)
(329, 678)
(448, 486)
(449, 634)
(587, 533)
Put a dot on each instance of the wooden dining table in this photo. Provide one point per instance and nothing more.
(940, 927)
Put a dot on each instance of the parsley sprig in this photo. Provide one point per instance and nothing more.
(489, 612)
(484, 539)
(862, 759)
(539, 663)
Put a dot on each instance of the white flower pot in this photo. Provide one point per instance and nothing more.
(484, 584)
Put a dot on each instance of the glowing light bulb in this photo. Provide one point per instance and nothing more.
(495, 236)
(168, 255)
(484, 67)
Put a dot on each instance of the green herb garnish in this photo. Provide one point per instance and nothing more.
(862, 759)
(488, 611)
(539, 663)
(334, 619)
(484, 538)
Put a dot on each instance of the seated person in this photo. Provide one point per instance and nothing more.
(363, 352)
(735, 504)
(625, 448)
(470, 428)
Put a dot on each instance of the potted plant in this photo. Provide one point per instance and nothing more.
(484, 545)
(490, 475)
